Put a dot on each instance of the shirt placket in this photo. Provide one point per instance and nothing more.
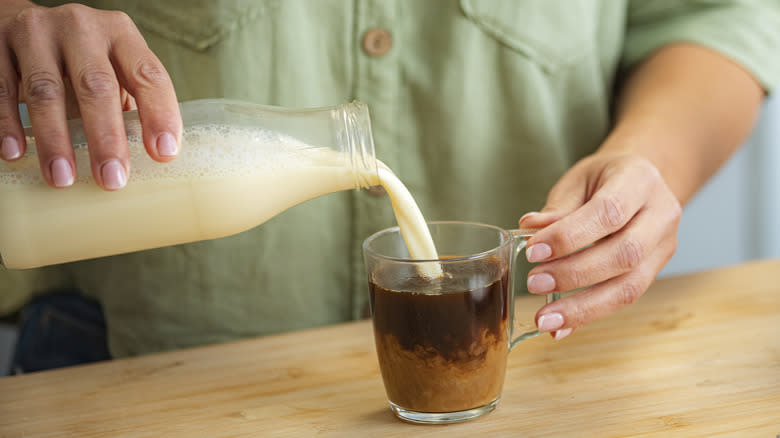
(376, 82)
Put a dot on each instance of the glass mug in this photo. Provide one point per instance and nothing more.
(443, 343)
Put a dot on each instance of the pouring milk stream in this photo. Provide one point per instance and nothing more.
(240, 164)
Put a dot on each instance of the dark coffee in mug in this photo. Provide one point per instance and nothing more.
(442, 342)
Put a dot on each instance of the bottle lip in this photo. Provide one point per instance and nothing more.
(360, 143)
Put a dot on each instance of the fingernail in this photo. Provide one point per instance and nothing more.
(538, 252)
(166, 145)
(527, 215)
(549, 322)
(113, 174)
(9, 148)
(61, 172)
(541, 283)
(560, 334)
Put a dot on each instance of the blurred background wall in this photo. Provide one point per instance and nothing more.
(736, 216)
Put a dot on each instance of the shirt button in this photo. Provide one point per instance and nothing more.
(376, 191)
(377, 42)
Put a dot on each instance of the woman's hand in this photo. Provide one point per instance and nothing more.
(621, 206)
(610, 225)
(96, 61)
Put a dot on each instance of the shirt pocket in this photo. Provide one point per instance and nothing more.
(553, 34)
(196, 24)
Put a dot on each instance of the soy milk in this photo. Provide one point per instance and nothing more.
(227, 179)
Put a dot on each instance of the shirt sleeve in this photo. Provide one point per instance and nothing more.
(746, 31)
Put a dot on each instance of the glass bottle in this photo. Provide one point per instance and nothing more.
(240, 164)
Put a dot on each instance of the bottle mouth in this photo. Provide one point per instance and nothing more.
(359, 144)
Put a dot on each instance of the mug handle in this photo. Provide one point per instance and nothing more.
(520, 239)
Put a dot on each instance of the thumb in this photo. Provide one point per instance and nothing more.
(567, 195)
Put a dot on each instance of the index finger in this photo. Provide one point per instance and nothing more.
(609, 209)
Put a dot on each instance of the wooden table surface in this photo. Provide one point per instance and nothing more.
(698, 355)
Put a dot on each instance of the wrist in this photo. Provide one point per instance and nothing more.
(665, 152)
(632, 142)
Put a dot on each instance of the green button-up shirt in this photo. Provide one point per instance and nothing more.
(478, 106)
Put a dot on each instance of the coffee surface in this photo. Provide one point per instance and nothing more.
(447, 322)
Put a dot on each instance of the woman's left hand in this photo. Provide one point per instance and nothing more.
(610, 225)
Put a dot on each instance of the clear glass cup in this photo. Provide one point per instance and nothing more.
(443, 343)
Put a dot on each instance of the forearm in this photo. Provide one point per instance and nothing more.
(686, 109)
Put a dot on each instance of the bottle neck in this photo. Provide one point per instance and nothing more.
(358, 143)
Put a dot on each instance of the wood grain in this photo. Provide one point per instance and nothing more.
(698, 355)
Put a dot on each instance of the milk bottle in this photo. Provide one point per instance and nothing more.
(240, 164)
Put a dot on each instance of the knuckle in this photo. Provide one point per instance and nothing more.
(672, 216)
(150, 73)
(630, 254)
(629, 292)
(672, 245)
(612, 213)
(109, 140)
(651, 173)
(676, 211)
(563, 242)
(124, 28)
(669, 253)
(7, 91)
(27, 20)
(75, 12)
(571, 278)
(43, 86)
(121, 18)
(577, 316)
(668, 248)
(95, 83)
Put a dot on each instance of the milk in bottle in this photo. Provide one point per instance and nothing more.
(240, 164)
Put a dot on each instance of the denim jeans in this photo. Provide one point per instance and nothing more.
(59, 330)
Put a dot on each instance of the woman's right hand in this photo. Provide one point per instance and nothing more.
(96, 61)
